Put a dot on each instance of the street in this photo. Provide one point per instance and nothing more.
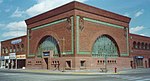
(8, 75)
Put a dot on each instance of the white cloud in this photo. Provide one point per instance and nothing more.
(143, 34)
(1, 1)
(136, 29)
(15, 29)
(137, 14)
(127, 14)
(17, 13)
(45, 5)
(13, 34)
(21, 25)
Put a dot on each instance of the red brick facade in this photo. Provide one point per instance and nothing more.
(140, 46)
(15, 46)
(74, 29)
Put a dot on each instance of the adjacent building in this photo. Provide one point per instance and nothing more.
(13, 53)
(77, 36)
(139, 51)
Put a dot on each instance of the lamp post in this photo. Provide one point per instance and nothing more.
(105, 61)
(105, 57)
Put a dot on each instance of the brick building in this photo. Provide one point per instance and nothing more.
(77, 36)
(140, 50)
(13, 52)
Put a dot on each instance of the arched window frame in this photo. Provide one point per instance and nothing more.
(134, 45)
(10, 49)
(18, 48)
(139, 45)
(142, 46)
(44, 45)
(14, 48)
(101, 44)
(3, 50)
(146, 46)
(22, 47)
(6, 49)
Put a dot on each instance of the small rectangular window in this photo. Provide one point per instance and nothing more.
(82, 63)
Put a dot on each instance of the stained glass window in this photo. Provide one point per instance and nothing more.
(104, 46)
(49, 44)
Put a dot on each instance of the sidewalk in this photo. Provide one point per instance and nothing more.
(77, 72)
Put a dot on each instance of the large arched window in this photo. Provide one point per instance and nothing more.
(104, 45)
(47, 44)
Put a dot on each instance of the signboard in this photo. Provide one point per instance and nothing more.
(139, 57)
(2, 58)
(21, 56)
(6, 57)
(46, 53)
(12, 55)
(16, 41)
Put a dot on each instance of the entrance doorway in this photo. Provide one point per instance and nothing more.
(21, 63)
(139, 62)
(46, 62)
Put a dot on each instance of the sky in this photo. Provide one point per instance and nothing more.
(14, 12)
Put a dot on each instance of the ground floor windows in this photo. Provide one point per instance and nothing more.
(82, 64)
(68, 65)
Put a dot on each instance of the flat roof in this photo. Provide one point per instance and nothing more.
(79, 6)
(139, 35)
(14, 38)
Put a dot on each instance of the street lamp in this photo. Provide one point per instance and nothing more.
(105, 57)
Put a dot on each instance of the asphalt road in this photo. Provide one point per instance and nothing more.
(6, 75)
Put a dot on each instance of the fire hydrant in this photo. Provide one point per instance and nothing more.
(115, 70)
